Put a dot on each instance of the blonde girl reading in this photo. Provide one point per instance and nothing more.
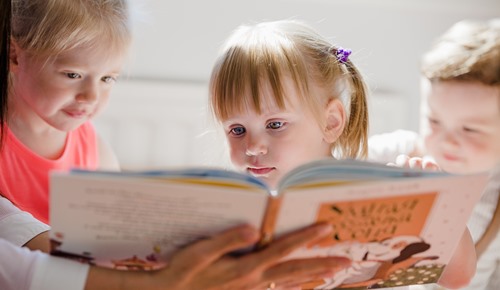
(65, 57)
(285, 95)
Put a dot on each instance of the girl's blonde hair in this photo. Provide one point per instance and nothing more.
(469, 50)
(271, 52)
(47, 28)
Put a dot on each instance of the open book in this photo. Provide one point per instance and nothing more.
(399, 226)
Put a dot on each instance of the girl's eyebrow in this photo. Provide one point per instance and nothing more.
(478, 120)
(70, 63)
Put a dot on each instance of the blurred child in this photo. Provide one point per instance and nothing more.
(286, 96)
(460, 128)
(65, 57)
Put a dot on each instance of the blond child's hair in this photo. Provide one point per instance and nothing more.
(47, 28)
(469, 51)
(270, 52)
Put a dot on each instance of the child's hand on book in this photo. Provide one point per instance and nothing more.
(206, 265)
(415, 162)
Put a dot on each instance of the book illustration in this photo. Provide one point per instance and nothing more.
(151, 261)
(375, 219)
(394, 261)
(389, 238)
(133, 263)
(55, 245)
(382, 236)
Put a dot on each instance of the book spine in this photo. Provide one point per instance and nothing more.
(269, 220)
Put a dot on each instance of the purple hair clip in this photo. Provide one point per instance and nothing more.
(343, 54)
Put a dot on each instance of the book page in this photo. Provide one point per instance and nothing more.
(397, 232)
(135, 223)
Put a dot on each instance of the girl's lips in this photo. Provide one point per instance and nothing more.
(260, 171)
(76, 114)
(449, 157)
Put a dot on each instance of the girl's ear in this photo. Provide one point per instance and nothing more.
(14, 50)
(335, 117)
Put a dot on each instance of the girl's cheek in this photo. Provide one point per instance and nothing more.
(236, 154)
(428, 140)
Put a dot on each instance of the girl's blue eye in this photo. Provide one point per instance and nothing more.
(237, 131)
(275, 125)
(73, 75)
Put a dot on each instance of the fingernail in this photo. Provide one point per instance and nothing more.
(324, 228)
(249, 234)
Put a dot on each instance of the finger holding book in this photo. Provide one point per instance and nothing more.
(193, 268)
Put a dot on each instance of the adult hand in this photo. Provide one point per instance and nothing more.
(206, 265)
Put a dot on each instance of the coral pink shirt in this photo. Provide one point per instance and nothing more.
(24, 175)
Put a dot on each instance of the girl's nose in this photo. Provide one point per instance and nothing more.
(89, 94)
(450, 139)
(256, 146)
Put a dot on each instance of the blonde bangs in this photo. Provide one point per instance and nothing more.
(243, 70)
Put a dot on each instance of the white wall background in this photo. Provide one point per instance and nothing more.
(176, 43)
